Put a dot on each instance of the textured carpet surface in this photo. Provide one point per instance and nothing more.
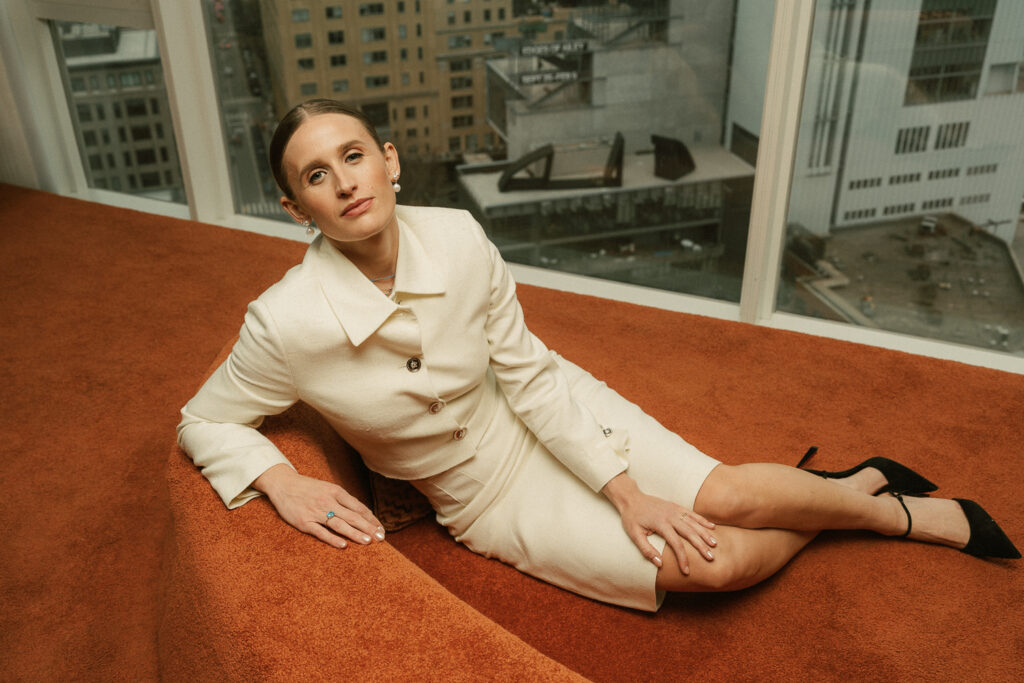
(111, 317)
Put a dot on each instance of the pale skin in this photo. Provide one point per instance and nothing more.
(747, 520)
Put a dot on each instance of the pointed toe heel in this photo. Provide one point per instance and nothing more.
(987, 539)
(898, 477)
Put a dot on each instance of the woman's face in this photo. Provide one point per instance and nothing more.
(340, 178)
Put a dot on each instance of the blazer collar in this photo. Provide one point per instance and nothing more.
(360, 307)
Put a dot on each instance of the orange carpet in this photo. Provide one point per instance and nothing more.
(110, 317)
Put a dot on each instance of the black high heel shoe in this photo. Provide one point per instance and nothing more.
(898, 477)
(986, 540)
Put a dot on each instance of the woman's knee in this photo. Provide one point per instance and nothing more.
(726, 497)
(733, 568)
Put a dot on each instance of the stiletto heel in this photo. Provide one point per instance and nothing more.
(898, 477)
(987, 539)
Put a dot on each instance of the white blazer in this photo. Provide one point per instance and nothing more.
(410, 382)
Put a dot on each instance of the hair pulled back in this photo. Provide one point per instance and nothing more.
(290, 123)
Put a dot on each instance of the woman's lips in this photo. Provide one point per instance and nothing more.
(357, 208)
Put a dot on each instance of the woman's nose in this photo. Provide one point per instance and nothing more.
(344, 184)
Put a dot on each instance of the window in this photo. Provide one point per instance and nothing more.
(376, 81)
(338, 60)
(130, 79)
(77, 84)
(912, 139)
(456, 42)
(340, 85)
(410, 113)
(307, 88)
(141, 133)
(144, 157)
(976, 199)
(333, 11)
(95, 162)
(335, 37)
(462, 121)
(865, 183)
(410, 133)
(454, 144)
(1001, 79)
(859, 214)
(135, 107)
(401, 31)
(89, 138)
(932, 204)
(897, 209)
(150, 179)
(371, 35)
(951, 135)
(949, 51)
(451, 21)
(458, 82)
(462, 102)
(84, 113)
(405, 79)
(467, 17)
(982, 169)
(460, 65)
(487, 15)
(306, 64)
(904, 178)
(376, 57)
(371, 9)
(300, 15)
(303, 40)
(943, 173)
(403, 54)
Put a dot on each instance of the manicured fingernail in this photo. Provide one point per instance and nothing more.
(657, 561)
(710, 556)
(344, 545)
(686, 571)
(713, 541)
(380, 528)
(366, 539)
(380, 535)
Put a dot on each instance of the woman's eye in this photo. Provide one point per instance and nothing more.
(316, 176)
(354, 156)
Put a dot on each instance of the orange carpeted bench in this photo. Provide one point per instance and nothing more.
(249, 598)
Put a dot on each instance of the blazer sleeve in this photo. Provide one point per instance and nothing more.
(219, 425)
(538, 390)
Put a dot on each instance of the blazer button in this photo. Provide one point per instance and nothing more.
(413, 364)
(459, 434)
(436, 407)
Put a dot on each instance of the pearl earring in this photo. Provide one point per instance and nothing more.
(395, 185)
(309, 228)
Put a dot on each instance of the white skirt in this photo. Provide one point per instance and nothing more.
(516, 502)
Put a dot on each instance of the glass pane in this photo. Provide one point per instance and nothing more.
(115, 89)
(906, 195)
(614, 139)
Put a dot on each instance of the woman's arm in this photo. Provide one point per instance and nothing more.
(218, 431)
(538, 392)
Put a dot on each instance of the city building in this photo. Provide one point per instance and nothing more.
(415, 67)
(910, 108)
(643, 83)
(119, 108)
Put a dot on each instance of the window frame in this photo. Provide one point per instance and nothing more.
(42, 152)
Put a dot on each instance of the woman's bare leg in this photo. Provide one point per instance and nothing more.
(767, 513)
(765, 495)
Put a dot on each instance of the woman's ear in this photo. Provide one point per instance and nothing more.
(294, 211)
(391, 160)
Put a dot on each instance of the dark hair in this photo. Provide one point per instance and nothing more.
(290, 123)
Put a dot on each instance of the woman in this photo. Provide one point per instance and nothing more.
(402, 328)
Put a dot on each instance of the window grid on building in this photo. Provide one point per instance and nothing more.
(950, 135)
(976, 198)
(865, 183)
(898, 208)
(941, 173)
(912, 139)
(904, 178)
(936, 203)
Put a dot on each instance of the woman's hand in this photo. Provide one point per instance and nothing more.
(643, 515)
(304, 503)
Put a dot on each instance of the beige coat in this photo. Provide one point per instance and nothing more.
(410, 382)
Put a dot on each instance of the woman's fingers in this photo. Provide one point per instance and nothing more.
(639, 536)
(354, 525)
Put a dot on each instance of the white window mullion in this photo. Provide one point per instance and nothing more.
(188, 73)
(780, 123)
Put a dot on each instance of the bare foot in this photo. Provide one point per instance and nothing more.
(934, 520)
